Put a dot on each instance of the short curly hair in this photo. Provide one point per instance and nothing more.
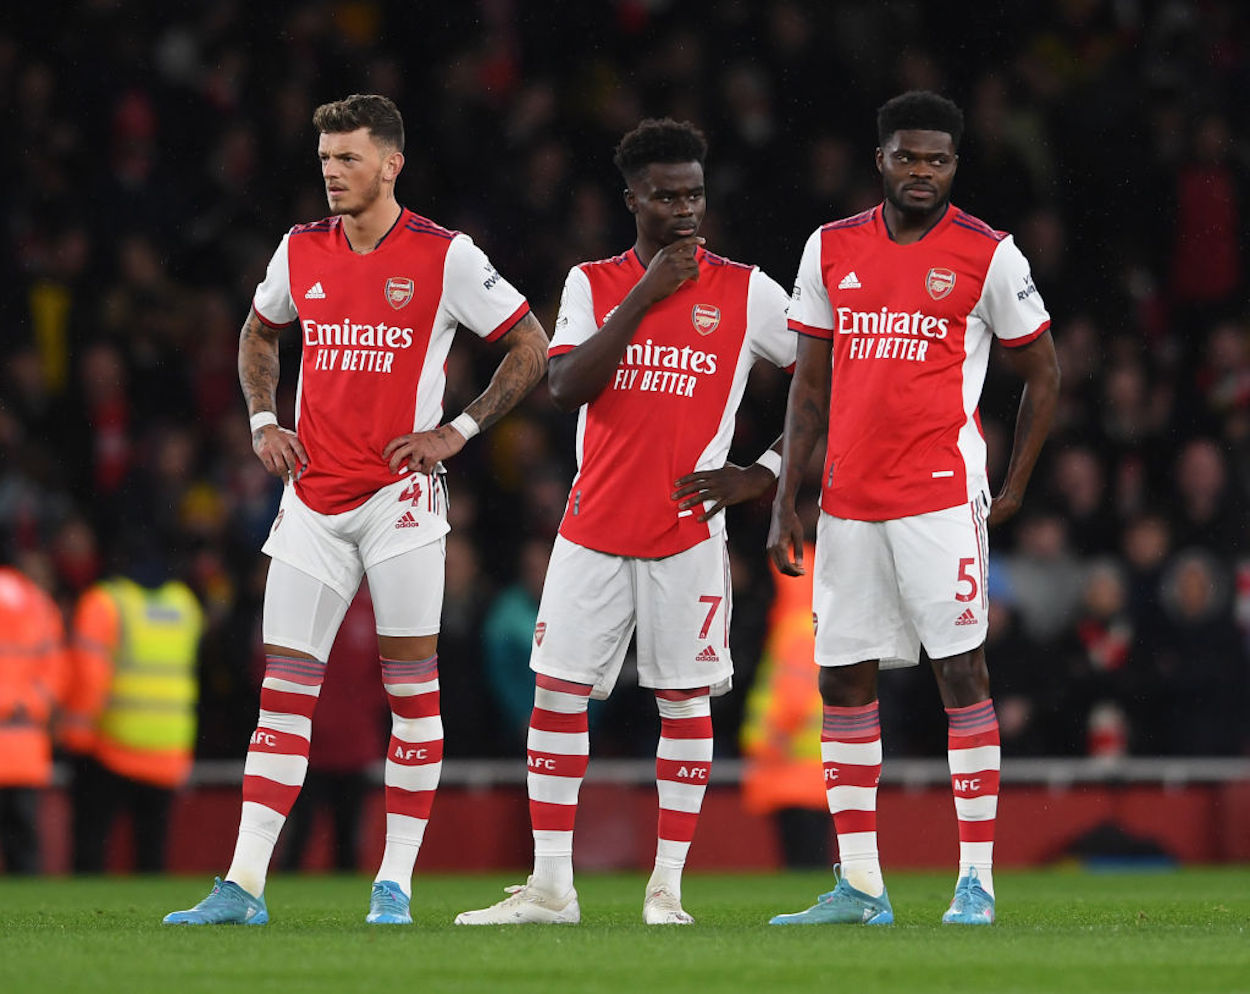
(659, 140)
(919, 110)
(363, 110)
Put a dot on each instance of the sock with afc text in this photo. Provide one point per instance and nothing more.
(974, 754)
(414, 762)
(277, 762)
(683, 761)
(850, 751)
(558, 752)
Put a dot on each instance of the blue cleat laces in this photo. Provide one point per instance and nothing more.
(971, 905)
(227, 904)
(388, 905)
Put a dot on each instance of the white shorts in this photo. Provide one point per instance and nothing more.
(680, 605)
(303, 613)
(338, 548)
(882, 589)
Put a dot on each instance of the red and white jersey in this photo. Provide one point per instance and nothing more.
(376, 329)
(670, 407)
(911, 327)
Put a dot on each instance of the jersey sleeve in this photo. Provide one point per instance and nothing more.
(1010, 303)
(810, 311)
(767, 332)
(576, 321)
(272, 301)
(476, 295)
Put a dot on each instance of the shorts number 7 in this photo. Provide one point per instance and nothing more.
(711, 613)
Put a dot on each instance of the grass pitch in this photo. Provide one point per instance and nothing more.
(1067, 931)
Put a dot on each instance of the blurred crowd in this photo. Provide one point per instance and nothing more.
(156, 154)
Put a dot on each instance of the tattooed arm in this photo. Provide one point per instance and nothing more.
(807, 420)
(1037, 364)
(519, 371)
(277, 448)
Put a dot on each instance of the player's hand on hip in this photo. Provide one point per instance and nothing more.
(672, 266)
(280, 451)
(785, 541)
(422, 451)
(725, 486)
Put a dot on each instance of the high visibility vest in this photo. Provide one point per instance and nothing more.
(147, 728)
(32, 679)
(780, 734)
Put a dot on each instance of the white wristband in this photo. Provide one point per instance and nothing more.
(771, 461)
(263, 418)
(465, 425)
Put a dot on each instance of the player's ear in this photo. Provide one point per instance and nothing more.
(631, 202)
(392, 165)
(880, 157)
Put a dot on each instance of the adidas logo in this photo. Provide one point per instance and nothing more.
(316, 293)
(967, 618)
(407, 521)
(708, 655)
(850, 282)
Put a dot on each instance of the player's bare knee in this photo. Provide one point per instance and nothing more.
(407, 646)
(848, 686)
(964, 679)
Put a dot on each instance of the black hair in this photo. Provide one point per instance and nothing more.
(659, 140)
(919, 110)
(363, 110)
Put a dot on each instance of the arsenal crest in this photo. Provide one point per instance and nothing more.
(705, 318)
(540, 630)
(939, 282)
(399, 291)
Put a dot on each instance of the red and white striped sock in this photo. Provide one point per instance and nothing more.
(277, 761)
(414, 762)
(683, 762)
(973, 750)
(558, 752)
(850, 748)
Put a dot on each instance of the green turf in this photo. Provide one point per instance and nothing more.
(1066, 931)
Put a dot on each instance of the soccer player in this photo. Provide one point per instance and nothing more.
(654, 347)
(377, 291)
(896, 309)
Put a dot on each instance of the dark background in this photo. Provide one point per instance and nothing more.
(154, 153)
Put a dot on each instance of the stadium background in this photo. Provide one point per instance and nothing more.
(156, 153)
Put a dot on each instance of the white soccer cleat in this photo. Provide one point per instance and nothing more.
(526, 905)
(662, 907)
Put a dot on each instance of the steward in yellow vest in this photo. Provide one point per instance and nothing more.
(130, 712)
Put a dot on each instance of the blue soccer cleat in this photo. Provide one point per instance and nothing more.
(842, 905)
(227, 904)
(388, 905)
(971, 905)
